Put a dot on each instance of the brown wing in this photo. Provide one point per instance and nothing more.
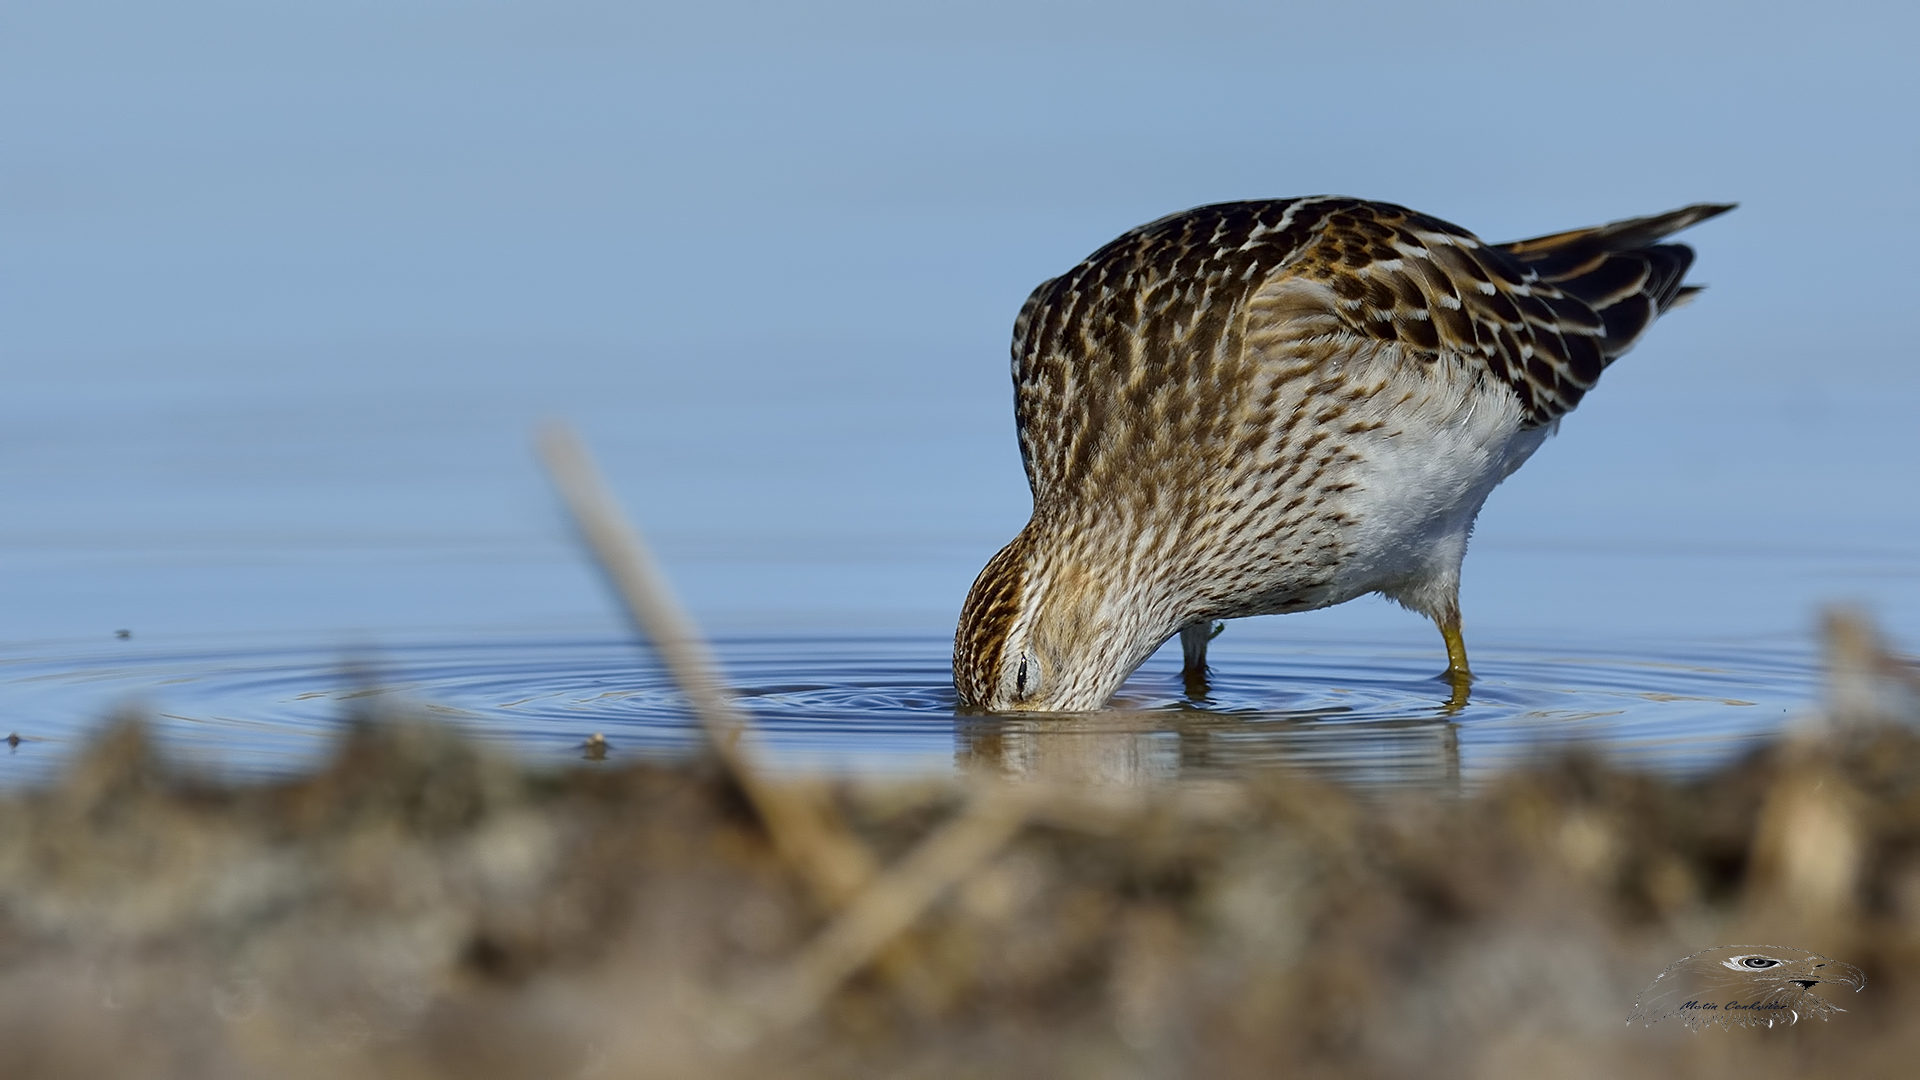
(1149, 325)
(1546, 316)
(1434, 289)
(1620, 270)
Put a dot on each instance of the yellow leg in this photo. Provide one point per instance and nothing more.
(1457, 672)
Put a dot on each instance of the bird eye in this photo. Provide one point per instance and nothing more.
(1760, 962)
(1026, 676)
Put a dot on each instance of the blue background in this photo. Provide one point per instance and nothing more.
(286, 286)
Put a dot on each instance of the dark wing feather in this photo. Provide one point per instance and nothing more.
(1434, 289)
(1621, 269)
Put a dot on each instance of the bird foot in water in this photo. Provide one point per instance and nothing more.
(1461, 680)
(1193, 652)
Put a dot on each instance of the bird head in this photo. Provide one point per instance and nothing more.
(1047, 630)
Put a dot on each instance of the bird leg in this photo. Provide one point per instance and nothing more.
(1193, 652)
(1457, 671)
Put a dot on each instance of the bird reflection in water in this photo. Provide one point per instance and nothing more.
(1138, 746)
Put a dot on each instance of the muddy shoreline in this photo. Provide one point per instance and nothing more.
(423, 907)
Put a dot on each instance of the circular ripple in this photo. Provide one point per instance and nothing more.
(1367, 711)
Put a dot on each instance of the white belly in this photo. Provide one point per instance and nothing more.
(1419, 481)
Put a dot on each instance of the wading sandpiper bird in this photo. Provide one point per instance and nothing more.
(1274, 406)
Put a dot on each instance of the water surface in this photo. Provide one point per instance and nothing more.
(288, 285)
(1363, 709)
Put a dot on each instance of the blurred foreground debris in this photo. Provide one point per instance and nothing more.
(798, 817)
(421, 908)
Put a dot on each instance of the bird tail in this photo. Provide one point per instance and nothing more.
(1620, 270)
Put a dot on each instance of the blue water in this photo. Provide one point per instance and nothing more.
(1364, 709)
(288, 286)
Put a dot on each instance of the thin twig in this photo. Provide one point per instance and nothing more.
(901, 895)
(804, 827)
(891, 904)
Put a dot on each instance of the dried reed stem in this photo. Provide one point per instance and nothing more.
(805, 828)
(892, 903)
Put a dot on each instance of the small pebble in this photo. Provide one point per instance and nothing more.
(595, 748)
